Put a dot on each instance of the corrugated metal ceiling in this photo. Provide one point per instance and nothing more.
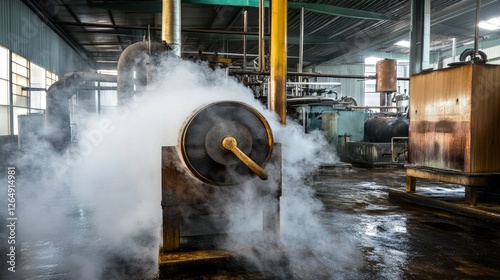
(103, 28)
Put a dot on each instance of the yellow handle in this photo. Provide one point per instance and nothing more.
(229, 143)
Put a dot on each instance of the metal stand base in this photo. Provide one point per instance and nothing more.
(186, 199)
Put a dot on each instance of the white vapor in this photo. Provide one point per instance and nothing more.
(104, 197)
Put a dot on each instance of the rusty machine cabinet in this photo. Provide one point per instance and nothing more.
(454, 122)
(193, 191)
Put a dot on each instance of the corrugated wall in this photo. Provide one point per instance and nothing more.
(349, 87)
(24, 33)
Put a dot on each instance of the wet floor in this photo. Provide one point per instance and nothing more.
(369, 235)
(400, 240)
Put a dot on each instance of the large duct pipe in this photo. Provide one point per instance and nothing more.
(58, 96)
(137, 67)
(171, 24)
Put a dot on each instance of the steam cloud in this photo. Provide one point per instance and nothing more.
(95, 212)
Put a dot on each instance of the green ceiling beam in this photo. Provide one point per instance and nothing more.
(155, 7)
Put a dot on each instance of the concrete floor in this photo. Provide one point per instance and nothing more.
(401, 240)
(384, 236)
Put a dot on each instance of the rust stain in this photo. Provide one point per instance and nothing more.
(443, 126)
(441, 144)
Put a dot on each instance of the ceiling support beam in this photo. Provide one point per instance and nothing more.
(155, 7)
(214, 34)
(111, 18)
(340, 11)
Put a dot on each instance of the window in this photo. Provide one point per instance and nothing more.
(4, 92)
(20, 80)
(37, 87)
(50, 78)
(108, 98)
(29, 83)
(20, 74)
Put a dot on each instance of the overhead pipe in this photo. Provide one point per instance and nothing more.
(58, 96)
(171, 24)
(137, 64)
(292, 74)
(277, 96)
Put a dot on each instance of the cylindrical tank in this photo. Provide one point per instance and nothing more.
(382, 129)
(386, 75)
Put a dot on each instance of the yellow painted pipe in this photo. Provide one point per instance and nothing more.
(277, 95)
(171, 24)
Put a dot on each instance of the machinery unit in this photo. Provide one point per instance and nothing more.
(226, 150)
(341, 127)
(386, 82)
(309, 110)
(453, 127)
(384, 143)
(309, 115)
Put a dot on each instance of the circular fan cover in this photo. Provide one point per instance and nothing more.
(202, 137)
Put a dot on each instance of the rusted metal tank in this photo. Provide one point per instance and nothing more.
(454, 122)
(454, 118)
(386, 75)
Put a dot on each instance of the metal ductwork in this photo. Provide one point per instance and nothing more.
(171, 24)
(138, 62)
(58, 96)
(137, 66)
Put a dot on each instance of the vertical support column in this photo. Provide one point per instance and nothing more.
(171, 222)
(426, 40)
(453, 49)
(170, 208)
(277, 95)
(476, 33)
(419, 35)
(271, 211)
(471, 195)
(301, 51)
(411, 183)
